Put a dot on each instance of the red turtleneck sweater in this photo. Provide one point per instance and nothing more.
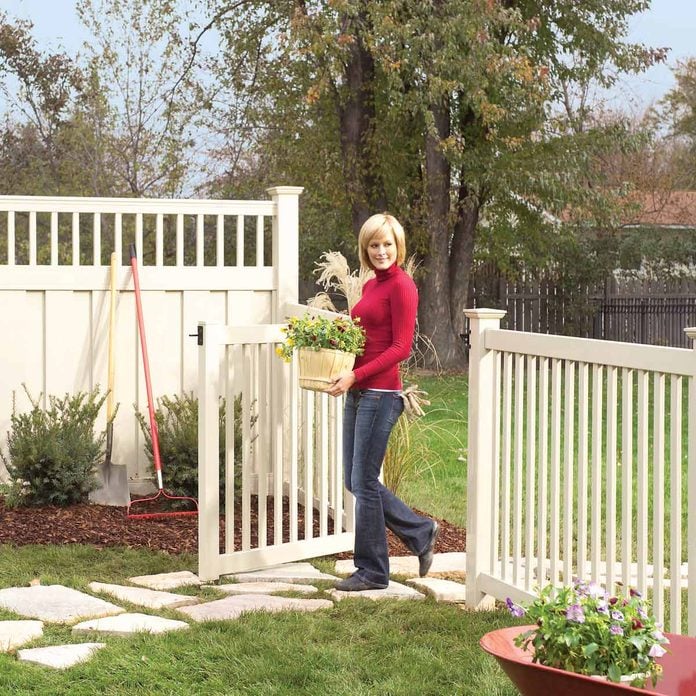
(387, 311)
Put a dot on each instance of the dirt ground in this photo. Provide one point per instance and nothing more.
(104, 526)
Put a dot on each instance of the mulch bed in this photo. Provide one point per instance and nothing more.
(104, 526)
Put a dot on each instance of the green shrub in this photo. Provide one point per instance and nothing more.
(177, 426)
(53, 452)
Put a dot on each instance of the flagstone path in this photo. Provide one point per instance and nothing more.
(252, 591)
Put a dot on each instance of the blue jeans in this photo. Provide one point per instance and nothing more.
(368, 420)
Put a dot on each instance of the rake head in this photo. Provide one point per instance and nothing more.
(148, 514)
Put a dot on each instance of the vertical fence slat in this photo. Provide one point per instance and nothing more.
(32, 238)
(277, 401)
(200, 247)
(642, 483)
(626, 475)
(159, 240)
(506, 464)
(259, 242)
(263, 447)
(612, 404)
(54, 238)
(691, 493)
(568, 456)
(11, 238)
(96, 239)
(179, 240)
(308, 459)
(293, 422)
(220, 241)
(323, 451)
(139, 237)
(530, 517)
(555, 486)
(495, 536)
(675, 514)
(658, 495)
(233, 380)
(596, 503)
(247, 400)
(239, 261)
(118, 237)
(583, 464)
(518, 469)
(542, 485)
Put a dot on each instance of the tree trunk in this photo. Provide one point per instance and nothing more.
(357, 117)
(435, 317)
(462, 257)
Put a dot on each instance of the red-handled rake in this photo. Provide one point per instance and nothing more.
(161, 493)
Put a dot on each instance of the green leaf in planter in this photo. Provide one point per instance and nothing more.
(614, 673)
(587, 650)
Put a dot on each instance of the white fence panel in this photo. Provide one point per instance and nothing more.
(598, 473)
(199, 260)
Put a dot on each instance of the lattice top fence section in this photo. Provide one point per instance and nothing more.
(82, 232)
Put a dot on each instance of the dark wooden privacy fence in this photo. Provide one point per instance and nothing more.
(631, 310)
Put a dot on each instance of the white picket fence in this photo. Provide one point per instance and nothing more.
(290, 459)
(233, 262)
(576, 454)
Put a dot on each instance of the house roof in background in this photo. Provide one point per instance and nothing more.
(665, 209)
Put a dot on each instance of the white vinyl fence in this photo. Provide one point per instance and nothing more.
(233, 262)
(282, 476)
(582, 463)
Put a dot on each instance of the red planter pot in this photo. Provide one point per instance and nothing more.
(678, 677)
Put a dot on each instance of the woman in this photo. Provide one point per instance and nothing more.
(387, 312)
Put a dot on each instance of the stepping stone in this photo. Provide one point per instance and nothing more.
(16, 633)
(238, 588)
(126, 624)
(59, 656)
(55, 604)
(153, 599)
(288, 572)
(442, 590)
(395, 591)
(454, 561)
(166, 581)
(233, 607)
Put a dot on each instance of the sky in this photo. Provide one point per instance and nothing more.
(667, 23)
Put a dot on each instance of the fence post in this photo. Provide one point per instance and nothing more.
(285, 247)
(691, 492)
(481, 459)
(209, 337)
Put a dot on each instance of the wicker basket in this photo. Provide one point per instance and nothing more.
(318, 368)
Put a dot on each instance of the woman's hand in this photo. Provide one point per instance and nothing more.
(341, 384)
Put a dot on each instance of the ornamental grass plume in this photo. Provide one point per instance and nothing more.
(582, 629)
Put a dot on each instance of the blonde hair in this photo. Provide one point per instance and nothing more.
(377, 225)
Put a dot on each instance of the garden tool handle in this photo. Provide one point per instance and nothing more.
(112, 335)
(146, 367)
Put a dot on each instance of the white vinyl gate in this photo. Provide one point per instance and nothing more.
(282, 474)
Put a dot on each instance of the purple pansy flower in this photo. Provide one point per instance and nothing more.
(575, 613)
(603, 607)
(515, 609)
(617, 616)
(616, 630)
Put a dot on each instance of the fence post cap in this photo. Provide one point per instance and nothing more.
(486, 313)
(690, 331)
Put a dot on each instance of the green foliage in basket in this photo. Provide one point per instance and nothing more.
(341, 333)
(53, 451)
(582, 629)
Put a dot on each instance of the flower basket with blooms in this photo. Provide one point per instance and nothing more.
(326, 347)
(582, 629)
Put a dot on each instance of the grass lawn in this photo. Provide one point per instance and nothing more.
(442, 490)
(358, 647)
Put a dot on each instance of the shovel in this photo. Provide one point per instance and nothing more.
(113, 478)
